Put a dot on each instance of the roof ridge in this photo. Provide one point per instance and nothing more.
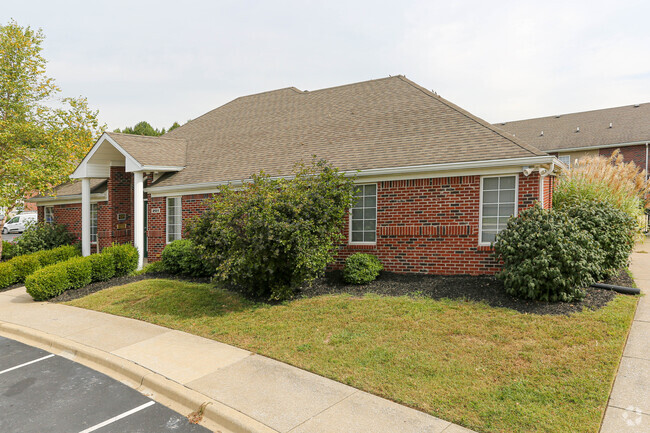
(576, 112)
(153, 137)
(469, 115)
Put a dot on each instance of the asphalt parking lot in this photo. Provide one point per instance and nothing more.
(11, 237)
(42, 392)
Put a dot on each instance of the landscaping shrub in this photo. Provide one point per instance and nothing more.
(9, 250)
(56, 255)
(361, 268)
(103, 266)
(47, 282)
(7, 275)
(79, 272)
(24, 266)
(271, 236)
(43, 236)
(604, 179)
(546, 256)
(125, 258)
(612, 229)
(182, 257)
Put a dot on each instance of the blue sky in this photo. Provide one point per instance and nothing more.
(163, 61)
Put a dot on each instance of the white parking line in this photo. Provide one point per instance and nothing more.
(27, 363)
(118, 417)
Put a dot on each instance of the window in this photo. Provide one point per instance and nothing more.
(14, 220)
(93, 223)
(49, 214)
(363, 217)
(566, 159)
(174, 222)
(498, 203)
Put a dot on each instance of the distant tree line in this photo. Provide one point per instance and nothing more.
(144, 128)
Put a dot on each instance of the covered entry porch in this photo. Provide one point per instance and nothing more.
(128, 162)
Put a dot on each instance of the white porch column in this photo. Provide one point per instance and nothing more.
(138, 216)
(85, 216)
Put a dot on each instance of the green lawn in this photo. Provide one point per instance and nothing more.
(489, 369)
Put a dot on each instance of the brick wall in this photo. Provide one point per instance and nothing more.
(423, 225)
(630, 153)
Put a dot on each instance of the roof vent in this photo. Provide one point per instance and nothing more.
(541, 134)
(557, 116)
(636, 105)
(577, 129)
(610, 125)
(503, 123)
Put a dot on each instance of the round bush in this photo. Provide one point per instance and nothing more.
(103, 266)
(181, 257)
(24, 266)
(9, 250)
(7, 275)
(361, 268)
(125, 257)
(43, 236)
(546, 256)
(47, 282)
(79, 271)
(612, 229)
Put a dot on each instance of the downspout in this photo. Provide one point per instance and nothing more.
(543, 172)
(646, 160)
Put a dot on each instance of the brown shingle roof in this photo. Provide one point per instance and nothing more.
(390, 122)
(74, 188)
(159, 151)
(630, 124)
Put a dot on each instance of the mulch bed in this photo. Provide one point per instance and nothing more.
(468, 288)
(486, 289)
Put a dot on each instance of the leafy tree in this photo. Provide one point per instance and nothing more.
(39, 145)
(144, 128)
(274, 235)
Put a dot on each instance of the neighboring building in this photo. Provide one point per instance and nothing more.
(597, 132)
(437, 183)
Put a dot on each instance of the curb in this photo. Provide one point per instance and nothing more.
(216, 416)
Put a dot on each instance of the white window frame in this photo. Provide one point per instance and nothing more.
(350, 241)
(567, 158)
(48, 210)
(480, 209)
(180, 218)
(94, 218)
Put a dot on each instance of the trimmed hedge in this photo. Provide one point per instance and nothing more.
(182, 257)
(79, 272)
(47, 282)
(24, 266)
(56, 255)
(125, 257)
(103, 266)
(361, 268)
(7, 274)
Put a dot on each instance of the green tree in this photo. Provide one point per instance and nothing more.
(40, 145)
(274, 235)
(145, 128)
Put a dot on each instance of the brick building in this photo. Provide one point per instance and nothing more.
(597, 132)
(435, 183)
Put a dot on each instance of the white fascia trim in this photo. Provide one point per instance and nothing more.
(498, 166)
(130, 161)
(161, 168)
(68, 199)
(605, 146)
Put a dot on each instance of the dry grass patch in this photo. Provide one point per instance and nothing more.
(489, 369)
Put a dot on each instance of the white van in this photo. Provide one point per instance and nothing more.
(19, 223)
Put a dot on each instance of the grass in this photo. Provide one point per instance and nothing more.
(489, 369)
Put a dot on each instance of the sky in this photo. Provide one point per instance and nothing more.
(164, 61)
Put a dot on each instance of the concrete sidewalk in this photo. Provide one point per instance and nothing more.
(244, 392)
(628, 410)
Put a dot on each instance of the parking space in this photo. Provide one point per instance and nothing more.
(44, 392)
(11, 237)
